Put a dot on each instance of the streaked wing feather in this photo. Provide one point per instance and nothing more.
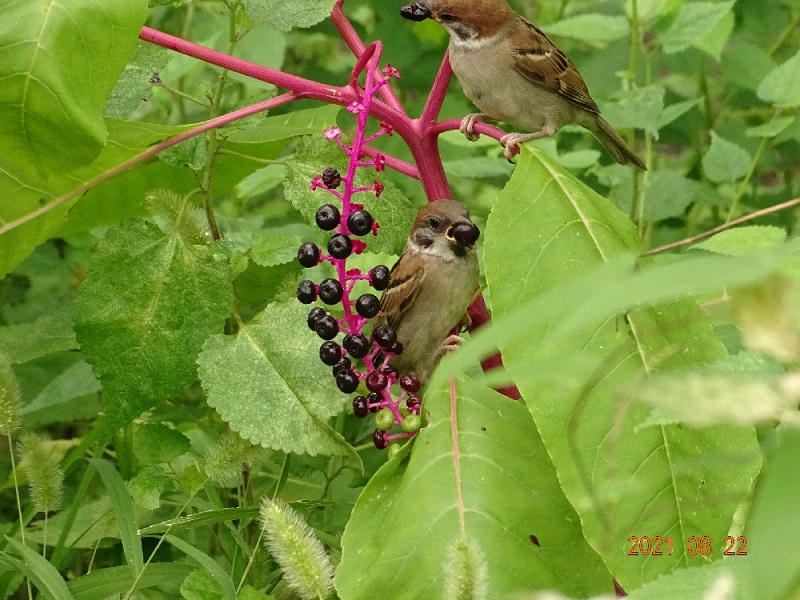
(539, 60)
(401, 294)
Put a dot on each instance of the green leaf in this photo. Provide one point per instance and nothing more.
(61, 63)
(770, 129)
(134, 84)
(771, 575)
(478, 167)
(392, 210)
(725, 161)
(148, 485)
(781, 86)
(675, 111)
(142, 314)
(123, 510)
(570, 369)
(94, 523)
(695, 582)
(155, 443)
(485, 476)
(267, 383)
(591, 27)
(271, 248)
(694, 22)
(668, 194)
(58, 399)
(640, 107)
(202, 519)
(25, 341)
(287, 15)
(716, 40)
(200, 585)
(309, 121)
(101, 584)
(742, 241)
(35, 567)
(219, 575)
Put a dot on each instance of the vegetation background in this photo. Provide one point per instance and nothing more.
(156, 383)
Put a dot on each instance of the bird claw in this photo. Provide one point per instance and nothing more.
(467, 125)
(450, 343)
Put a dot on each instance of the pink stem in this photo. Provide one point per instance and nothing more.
(436, 98)
(480, 127)
(354, 42)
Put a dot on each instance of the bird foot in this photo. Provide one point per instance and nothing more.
(468, 123)
(511, 140)
(450, 343)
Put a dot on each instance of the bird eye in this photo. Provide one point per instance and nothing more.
(434, 223)
(447, 17)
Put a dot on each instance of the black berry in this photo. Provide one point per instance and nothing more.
(343, 364)
(327, 327)
(340, 246)
(308, 255)
(413, 404)
(360, 222)
(368, 305)
(331, 178)
(374, 401)
(330, 291)
(389, 370)
(410, 383)
(360, 408)
(376, 381)
(397, 348)
(330, 353)
(380, 439)
(379, 277)
(314, 316)
(465, 234)
(415, 12)
(306, 291)
(356, 344)
(385, 336)
(327, 217)
(347, 381)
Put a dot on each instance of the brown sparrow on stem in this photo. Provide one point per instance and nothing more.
(430, 286)
(513, 73)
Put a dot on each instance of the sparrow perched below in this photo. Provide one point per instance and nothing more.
(513, 73)
(431, 285)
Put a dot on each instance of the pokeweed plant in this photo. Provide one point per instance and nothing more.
(621, 465)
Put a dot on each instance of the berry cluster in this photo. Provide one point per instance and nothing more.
(348, 221)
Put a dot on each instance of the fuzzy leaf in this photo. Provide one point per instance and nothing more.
(392, 210)
(287, 15)
(268, 384)
(134, 85)
(144, 311)
(781, 86)
(725, 161)
(639, 108)
(483, 473)
(155, 443)
(148, 485)
(25, 341)
(742, 241)
(591, 27)
(668, 194)
(694, 22)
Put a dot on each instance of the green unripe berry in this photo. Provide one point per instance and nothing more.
(411, 423)
(384, 419)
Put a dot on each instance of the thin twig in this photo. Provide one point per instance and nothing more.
(724, 226)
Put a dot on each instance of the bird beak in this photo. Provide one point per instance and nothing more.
(416, 11)
(463, 233)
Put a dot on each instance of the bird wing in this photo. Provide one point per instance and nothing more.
(539, 60)
(401, 294)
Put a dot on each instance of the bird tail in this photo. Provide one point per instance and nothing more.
(620, 150)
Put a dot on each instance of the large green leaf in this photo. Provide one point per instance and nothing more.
(286, 15)
(61, 60)
(267, 382)
(623, 480)
(147, 305)
(479, 472)
(693, 24)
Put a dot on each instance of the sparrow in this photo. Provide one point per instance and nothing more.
(513, 73)
(430, 287)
